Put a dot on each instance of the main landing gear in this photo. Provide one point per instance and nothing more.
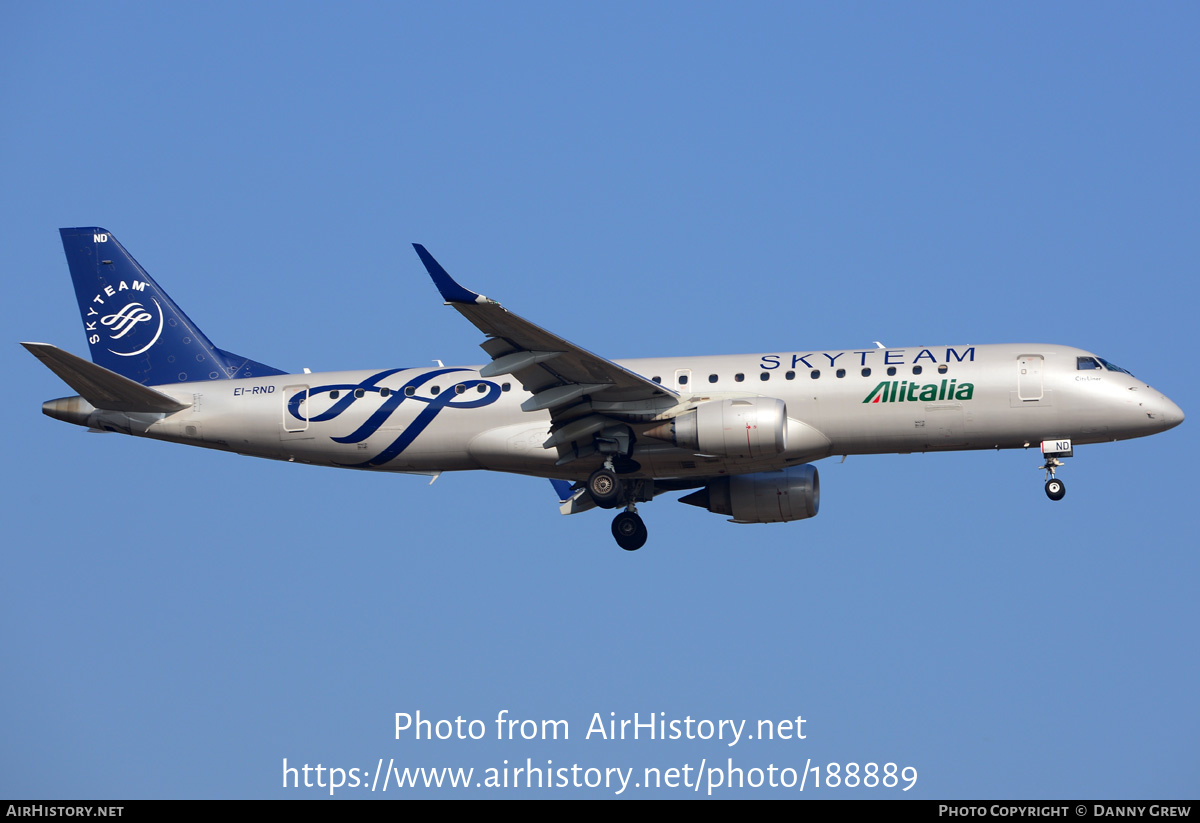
(629, 530)
(605, 488)
(609, 492)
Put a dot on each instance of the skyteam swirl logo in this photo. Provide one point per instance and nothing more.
(130, 324)
(126, 320)
(474, 394)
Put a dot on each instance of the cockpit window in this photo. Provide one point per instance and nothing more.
(1084, 363)
(1114, 367)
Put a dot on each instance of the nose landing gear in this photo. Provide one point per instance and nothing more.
(1052, 450)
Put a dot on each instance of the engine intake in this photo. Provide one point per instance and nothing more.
(763, 497)
(745, 427)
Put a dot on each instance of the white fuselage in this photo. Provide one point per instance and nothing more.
(838, 402)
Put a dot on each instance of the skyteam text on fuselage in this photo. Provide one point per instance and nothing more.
(740, 430)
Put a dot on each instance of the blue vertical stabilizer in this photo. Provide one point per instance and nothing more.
(133, 327)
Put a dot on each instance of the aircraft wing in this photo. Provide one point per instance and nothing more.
(556, 372)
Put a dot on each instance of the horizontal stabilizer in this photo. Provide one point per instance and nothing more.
(99, 386)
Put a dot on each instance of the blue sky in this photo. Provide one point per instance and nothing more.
(643, 179)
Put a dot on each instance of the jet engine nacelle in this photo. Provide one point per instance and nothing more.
(745, 427)
(764, 497)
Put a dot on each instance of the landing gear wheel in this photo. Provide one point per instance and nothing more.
(629, 530)
(1055, 489)
(605, 488)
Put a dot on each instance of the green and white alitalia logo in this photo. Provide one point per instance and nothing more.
(901, 391)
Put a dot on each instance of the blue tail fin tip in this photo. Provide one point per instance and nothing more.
(133, 327)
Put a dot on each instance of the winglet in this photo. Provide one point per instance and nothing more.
(451, 291)
(563, 489)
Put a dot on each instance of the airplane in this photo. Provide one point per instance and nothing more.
(739, 432)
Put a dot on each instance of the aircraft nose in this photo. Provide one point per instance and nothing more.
(1172, 415)
(1163, 414)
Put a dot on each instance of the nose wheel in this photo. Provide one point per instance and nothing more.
(1055, 489)
(629, 531)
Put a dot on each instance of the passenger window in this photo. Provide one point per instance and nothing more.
(683, 378)
(434, 390)
(942, 369)
(916, 369)
(505, 386)
(656, 379)
(460, 388)
(891, 371)
(712, 378)
(333, 395)
(409, 391)
(481, 388)
(765, 376)
(790, 375)
(841, 372)
(385, 392)
(815, 374)
(739, 377)
(359, 392)
(866, 372)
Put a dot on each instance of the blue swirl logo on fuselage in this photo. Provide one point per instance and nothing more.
(450, 398)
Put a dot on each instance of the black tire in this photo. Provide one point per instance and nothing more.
(605, 488)
(629, 531)
(1056, 489)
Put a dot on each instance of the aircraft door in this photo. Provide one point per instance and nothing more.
(945, 426)
(294, 422)
(1029, 377)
